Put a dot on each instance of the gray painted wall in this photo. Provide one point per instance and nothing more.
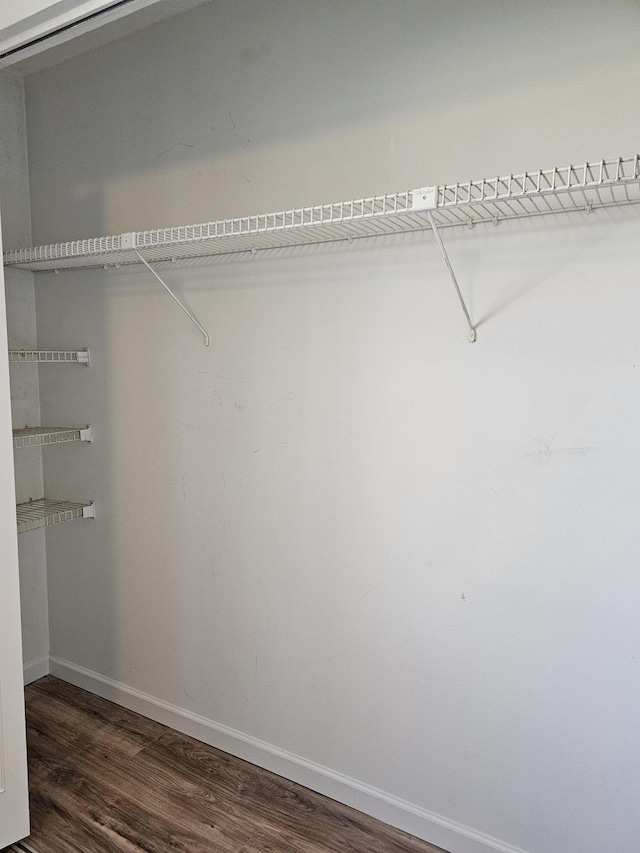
(343, 531)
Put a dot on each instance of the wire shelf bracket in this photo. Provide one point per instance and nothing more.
(130, 240)
(445, 257)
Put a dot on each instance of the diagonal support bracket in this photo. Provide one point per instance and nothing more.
(175, 299)
(128, 241)
(436, 234)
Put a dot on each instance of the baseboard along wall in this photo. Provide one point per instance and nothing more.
(431, 827)
(35, 669)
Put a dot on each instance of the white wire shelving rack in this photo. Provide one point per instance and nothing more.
(37, 514)
(587, 187)
(42, 436)
(49, 356)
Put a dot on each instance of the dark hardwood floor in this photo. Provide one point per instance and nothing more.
(104, 779)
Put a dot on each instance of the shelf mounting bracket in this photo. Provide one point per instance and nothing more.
(443, 251)
(183, 307)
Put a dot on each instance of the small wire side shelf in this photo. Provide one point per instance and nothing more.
(49, 356)
(42, 436)
(37, 514)
(592, 185)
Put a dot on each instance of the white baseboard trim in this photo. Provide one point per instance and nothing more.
(435, 829)
(35, 669)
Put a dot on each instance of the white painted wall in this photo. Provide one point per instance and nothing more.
(342, 530)
(25, 402)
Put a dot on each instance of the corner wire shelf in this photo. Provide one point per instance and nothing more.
(37, 514)
(587, 187)
(42, 436)
(49, 356)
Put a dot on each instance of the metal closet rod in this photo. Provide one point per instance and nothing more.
(205, 334)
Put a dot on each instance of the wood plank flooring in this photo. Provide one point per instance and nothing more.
(103, 779)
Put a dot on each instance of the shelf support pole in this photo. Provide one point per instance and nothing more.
(436, 234)
(175, 298)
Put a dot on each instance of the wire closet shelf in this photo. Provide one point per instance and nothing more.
(45, 512)
(49, 356)
(592, 185)
(42, 436)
